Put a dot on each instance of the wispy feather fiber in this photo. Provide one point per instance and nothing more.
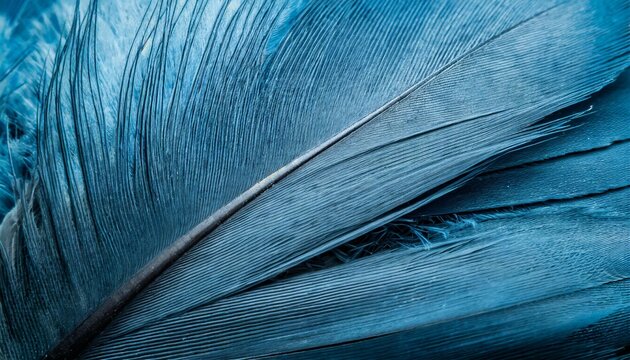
(168, 165)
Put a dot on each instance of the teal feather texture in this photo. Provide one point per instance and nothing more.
(314, 179)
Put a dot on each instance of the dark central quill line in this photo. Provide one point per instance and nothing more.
(73, 344)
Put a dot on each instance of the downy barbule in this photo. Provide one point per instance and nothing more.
(314, 179)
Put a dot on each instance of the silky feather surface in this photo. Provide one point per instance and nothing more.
(589, 321)
(540, 279)
(397, 151)
(517, 280)
(566, 166)
(147, 127)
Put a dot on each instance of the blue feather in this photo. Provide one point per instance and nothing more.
(527, 281)
(28, 36)
(175, 155)
(568, 165)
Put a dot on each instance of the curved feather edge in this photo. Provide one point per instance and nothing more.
(564, 167)
(228, 261)
(318, 317)
(558, 251)
(89, 146)
(523, 283)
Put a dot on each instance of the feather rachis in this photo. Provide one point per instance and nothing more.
(153, 162)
